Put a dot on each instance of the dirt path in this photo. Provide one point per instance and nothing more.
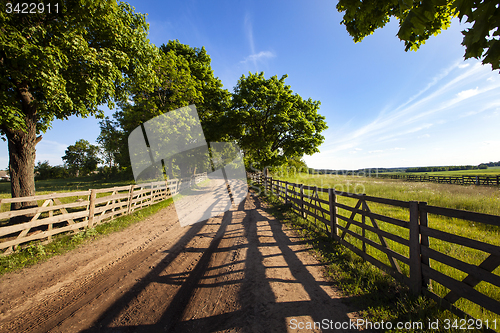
(240, 272)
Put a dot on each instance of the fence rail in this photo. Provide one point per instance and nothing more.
(413, 235)
(53, 217)
(461, 180)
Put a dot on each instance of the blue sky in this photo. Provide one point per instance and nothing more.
(384, 107)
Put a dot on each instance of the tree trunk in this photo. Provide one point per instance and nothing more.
(22, 158)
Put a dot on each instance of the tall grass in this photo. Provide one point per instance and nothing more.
(479, 199)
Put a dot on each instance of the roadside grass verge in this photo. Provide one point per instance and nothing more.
(435, 194)
(37, 251)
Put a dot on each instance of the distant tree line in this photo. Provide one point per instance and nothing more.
(80, 159)
(492, 164)
(453, 167)
(356, 172)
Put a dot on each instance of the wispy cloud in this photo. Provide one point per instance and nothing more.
(399, 135)
(51, 151)
(53, 145)
(445, 93)
(254, 56)
(468, 93)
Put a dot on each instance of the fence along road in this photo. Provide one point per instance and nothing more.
(460, 180)
(305, 201)
(53, 217)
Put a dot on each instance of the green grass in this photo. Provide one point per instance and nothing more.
(479, 199)
(37, 252)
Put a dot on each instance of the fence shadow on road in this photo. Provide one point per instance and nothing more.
(257, 306)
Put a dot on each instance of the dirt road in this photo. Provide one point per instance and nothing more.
(243, 271)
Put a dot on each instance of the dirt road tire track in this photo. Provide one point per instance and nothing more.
(240, 272)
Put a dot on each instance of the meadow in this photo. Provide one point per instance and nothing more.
(482, 199)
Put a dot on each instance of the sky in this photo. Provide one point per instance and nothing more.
(384, 107)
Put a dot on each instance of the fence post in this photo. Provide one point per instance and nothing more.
(151, 195)
(286, 193)
(271, 184)
(302, 213)
(91, 208)
(265, 184)
(130, 196)
(333, 212)
(415, 260)
(424, 240)
(498, 180)
(165, 193)
(363, 221)
(51, 213)
(278, 189)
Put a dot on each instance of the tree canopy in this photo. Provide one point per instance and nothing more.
(81, 158)
(54, 65)
(419, 20)
(185, 77)
(271, 123)
(214, 99)
(69, 64)
(109, 141)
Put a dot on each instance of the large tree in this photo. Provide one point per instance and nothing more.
(271, 124)
(81, 158)
(57, 64)
(215, 100)
(175, 88)
(110, 141)
(419, 20)
(185, 77)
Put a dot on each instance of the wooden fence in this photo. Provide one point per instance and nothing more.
(461, 180)
(414, 236)
(83, 209)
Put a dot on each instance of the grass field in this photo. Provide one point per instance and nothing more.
(479, 199)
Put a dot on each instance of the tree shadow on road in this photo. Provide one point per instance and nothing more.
(250, 277)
